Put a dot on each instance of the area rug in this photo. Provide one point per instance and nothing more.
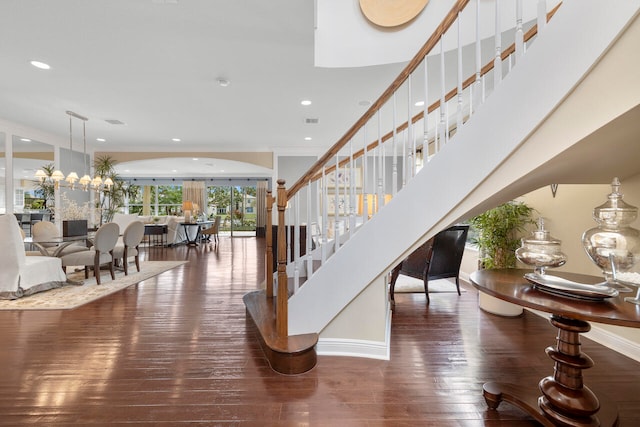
(406, 284)
(73, 296)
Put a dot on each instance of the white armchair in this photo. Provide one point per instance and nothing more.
(21, 275)
(176, 231)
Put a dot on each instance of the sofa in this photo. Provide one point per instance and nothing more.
(22, 275)
(175, 231)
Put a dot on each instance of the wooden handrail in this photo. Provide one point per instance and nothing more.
(314, 173)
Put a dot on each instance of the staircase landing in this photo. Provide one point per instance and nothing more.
(286, 355)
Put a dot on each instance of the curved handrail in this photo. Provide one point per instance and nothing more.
(386, 96)
(314, 173)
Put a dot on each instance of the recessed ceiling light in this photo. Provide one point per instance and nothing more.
(100, 139)
(307, 138)
(223, 82)
(25, 140)
(195, 158)
(419, 104)
(40, 65)
(305, 102)
(174, 170)
(176, 139)
(127, 170)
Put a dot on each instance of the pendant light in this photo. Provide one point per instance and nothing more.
(72, 177)
(86, 179)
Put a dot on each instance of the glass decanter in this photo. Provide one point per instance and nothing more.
(613, 245)
(541, 250)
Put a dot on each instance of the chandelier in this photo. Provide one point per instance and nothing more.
(57, 176)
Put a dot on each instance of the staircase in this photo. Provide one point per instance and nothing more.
(536, 128)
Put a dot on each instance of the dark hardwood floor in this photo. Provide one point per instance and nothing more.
(177, 350)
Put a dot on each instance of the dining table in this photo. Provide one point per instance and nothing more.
(60, 242)
(572, 300)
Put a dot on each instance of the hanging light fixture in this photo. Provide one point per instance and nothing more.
(72, 177)
(86, 179)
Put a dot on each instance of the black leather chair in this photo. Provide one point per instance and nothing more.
(438, 258)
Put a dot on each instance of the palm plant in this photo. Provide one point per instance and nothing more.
(45, 189)
(498, 231)
(111, 198)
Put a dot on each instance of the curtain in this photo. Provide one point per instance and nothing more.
(194, 192)
(261, 207)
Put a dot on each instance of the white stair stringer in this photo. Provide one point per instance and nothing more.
(513, 134)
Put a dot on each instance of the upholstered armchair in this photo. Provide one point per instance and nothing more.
(438, 258)
(21, 275)
(175, 231)
(212, 231)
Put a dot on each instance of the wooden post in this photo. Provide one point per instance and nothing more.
(269, 249)
(282, 309)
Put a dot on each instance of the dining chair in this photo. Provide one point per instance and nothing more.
(44, 232)
(100, 254)
(438, 258)
(131, 239)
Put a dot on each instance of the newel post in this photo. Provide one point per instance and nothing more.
(282, 311)
(269, 241)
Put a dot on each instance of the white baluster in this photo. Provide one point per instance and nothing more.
(325, 215)
(519, 31)
(309, 233)
(381, 167)
(409, 172)
(497, 61)
(394, 158)
(352, 192)
(477, 85)
(365, 202)
(442, 134)
(336, 206)
(296, 242)
(404, 159)
(460, 113)
(425, 124)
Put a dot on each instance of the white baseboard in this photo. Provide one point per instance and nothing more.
(357, 348)
(614, 342)
(608, 339)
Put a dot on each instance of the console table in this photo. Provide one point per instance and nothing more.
(565, 400)
(193, 241)
(157, 233)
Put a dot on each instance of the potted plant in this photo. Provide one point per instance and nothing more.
(498, 233)
(111, 198)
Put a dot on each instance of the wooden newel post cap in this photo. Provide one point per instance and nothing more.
(281, 182)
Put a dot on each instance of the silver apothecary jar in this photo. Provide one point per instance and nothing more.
(541, 251)
(613, 240)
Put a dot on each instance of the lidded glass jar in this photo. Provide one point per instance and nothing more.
(541, 250)
(613, 240)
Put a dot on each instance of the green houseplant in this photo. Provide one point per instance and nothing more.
(498, 232)
(111, 198)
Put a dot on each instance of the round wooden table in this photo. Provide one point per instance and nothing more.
(564, 399)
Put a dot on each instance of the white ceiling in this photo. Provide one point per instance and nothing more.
(153, 64)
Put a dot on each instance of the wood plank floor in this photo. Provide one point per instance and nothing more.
(177, 350)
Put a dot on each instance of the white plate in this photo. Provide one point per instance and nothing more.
(559, 286)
